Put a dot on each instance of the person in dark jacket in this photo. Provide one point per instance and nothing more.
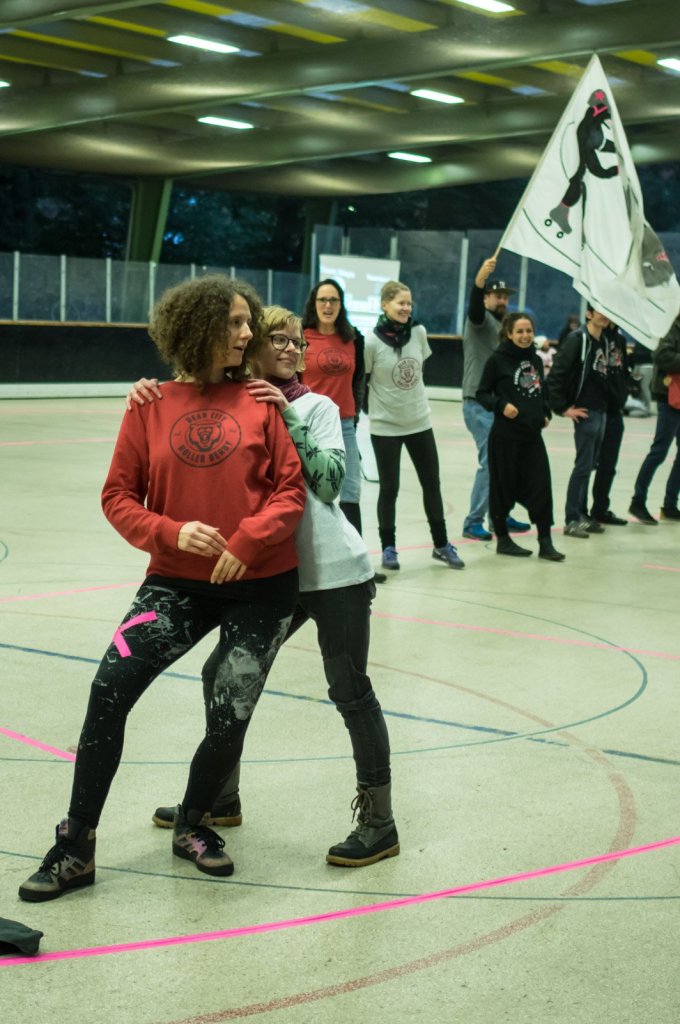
(578, 390)
(618, 374)
(512, 387)
(666, 362)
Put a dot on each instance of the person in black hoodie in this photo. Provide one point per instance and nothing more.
(618, 374)
(512, 386)
(578, 390)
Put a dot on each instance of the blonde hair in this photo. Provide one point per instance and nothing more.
(390, 289)
(274, 318)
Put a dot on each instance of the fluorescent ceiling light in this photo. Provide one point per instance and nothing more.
(438, 97)
(225, 122)
(670, 62)
(488, 5)
(412, 157)
(203, 44)
(4, 85)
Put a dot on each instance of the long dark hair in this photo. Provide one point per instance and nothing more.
(342, 325)
(509, 321)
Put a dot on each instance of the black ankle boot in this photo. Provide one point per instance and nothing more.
(375, 836)
(507, 546)
(546, 550)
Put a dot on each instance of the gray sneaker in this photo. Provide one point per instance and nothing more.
(576, 529)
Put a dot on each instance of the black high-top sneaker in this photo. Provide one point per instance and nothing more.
(68, 865)
(200, 844)
(222, 815)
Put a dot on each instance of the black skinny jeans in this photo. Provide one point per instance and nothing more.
(423, 452)
(606, 463)
(342, 618)
(162, 625)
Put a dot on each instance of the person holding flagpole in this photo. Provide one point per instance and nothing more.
(488, 305)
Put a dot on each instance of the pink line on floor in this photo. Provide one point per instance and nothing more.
(73, 440)
(519, 635)
(65, 754)
(662, 568)
(66, 593)
(334, 915)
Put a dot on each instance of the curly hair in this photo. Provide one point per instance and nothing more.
(509, 321)
(191, 319)
(274, 318)
(310, 318)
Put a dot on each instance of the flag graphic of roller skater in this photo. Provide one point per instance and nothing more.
(582, 213)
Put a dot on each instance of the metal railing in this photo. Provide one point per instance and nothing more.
(438, 266)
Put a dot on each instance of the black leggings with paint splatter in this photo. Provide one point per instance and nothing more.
(162, 625)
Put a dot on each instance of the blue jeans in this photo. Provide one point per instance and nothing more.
(351, 485)
(588, 436)
(667, 431)
(478, 421)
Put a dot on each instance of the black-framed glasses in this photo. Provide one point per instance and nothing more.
(328, 302)
(282, 341)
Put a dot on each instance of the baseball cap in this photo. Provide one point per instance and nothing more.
(499, 286)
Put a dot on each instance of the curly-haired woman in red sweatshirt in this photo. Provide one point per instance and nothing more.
(208, 482)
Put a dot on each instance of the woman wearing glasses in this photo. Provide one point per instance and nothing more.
(399, 416)
(334, 366)
(336, 590)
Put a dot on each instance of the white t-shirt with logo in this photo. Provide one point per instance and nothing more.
(397, 403)
(331, 553)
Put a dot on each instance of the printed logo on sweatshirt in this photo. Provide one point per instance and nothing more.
(334, 362)
(527, 379)
(205, 438)
(406, 374)
(600, 361)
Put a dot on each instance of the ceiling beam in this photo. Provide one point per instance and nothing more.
(501, 45)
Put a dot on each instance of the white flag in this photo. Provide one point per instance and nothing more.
(582, 213)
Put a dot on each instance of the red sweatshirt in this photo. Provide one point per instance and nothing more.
(329, 368)
(216, 456)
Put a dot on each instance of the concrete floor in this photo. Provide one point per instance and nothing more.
(533, 713)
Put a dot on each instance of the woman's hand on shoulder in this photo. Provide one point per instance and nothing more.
(200, 539)
(228, 567)
(263, 391)
(144, 390)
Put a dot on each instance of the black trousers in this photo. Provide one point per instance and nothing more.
(519, 471)
(423, 452)
(161, 626)
(342, 618)
(606, 463)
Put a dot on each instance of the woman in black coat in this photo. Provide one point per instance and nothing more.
(513, 388)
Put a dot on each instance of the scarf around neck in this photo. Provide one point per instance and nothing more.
(290, 389)
(394, 334)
